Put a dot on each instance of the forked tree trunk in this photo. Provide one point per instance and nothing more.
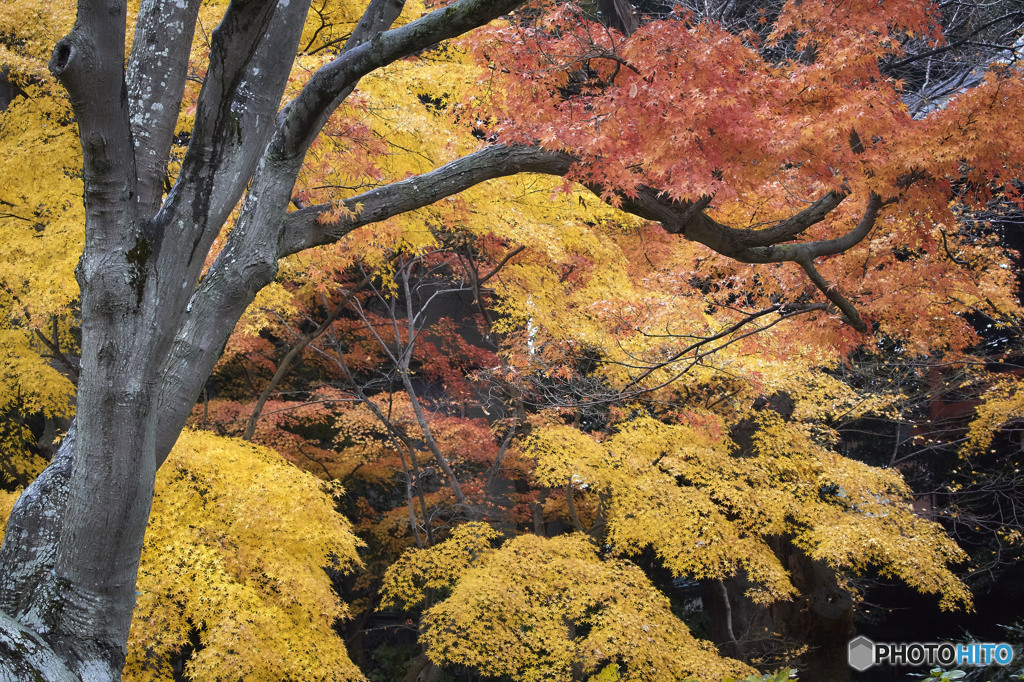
(151, 330)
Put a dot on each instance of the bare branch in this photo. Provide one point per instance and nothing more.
(731, 329)
(293, 352)
(70, 367)
(497, 268)
(892, 67)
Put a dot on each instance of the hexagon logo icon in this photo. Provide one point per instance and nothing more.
(861, 653)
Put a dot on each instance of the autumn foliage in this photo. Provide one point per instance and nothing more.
(503, 413)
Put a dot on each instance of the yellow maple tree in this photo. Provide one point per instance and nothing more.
(41, 217)
(234, 566)
(708, 511)
(540, 609)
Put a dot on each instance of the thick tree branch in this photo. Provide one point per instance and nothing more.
(791, 227)
(241, 94)
(804, 255)
(765, 246)
(89, 63)
(303, 229)
(26, 656)
(687, 218)
(302, 119)
(378, 17)
(30, 543)
(832, 294)
(155, 88)
(780, 253)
